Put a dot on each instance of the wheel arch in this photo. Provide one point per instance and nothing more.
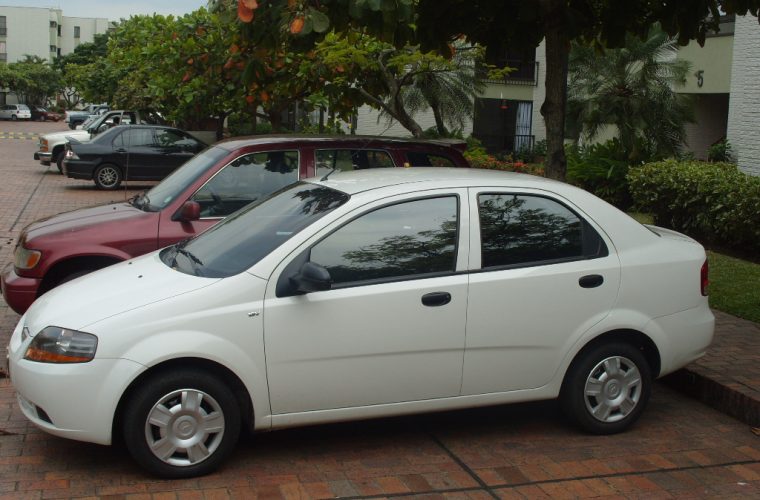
(629, 336)
(220, 371)
(63, 268)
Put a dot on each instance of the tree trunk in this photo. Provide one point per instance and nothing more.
(553, 109)
(439, 121)
(220, 126)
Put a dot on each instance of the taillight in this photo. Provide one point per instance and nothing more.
(704, 281)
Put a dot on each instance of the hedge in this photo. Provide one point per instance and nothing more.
(713, 202)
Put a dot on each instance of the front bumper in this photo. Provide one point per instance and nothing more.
(18, 292)
(45, 157)
(75, 401)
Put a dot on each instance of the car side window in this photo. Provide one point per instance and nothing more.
(401, 241)
(133, 137)
(174, 139)
(525, 229)
(351, 159)
(422, 159)
(247, 179)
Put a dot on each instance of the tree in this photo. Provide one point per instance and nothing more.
(449, 90)
(399, 81)
(33, 80)
(497, 25)
(631, 88)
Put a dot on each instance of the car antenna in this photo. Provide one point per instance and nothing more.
(328, 174)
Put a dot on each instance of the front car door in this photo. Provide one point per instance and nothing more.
(175, 148)
(391, 328)
(542, 274)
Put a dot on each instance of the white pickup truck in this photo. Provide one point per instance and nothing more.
(75, 118)
(52, 146)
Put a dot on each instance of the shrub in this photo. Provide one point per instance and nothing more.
(720, 151)
(714, 202)
(600, 169)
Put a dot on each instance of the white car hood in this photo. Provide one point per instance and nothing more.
(110, 291)
(80, 135)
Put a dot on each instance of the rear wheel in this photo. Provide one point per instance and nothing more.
(14, 117)
(181, 424)
(607, 388)
(107, 176)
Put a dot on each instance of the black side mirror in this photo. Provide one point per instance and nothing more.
(311, 278)
(189, 211)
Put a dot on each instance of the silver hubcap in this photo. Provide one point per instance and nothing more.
(107, 176)
(184, 427)
(613, 389)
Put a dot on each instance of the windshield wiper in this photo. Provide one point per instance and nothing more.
(179, 248)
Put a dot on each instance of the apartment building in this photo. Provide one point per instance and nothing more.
(43, 32)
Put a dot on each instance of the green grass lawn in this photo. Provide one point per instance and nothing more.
(734, 286)
(734, 283)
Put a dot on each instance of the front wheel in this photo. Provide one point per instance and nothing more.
(107, 176)
(59, 160)
(607, 388)
(181, 424)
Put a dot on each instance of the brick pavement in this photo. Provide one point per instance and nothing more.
(680, 448)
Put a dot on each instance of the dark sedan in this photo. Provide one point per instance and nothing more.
(129, 152)
(43, 114)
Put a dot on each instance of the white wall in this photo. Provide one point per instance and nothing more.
(539, 94)
(28, 32)
(744, 106)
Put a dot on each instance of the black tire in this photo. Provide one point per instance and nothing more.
(14, 117)
(167, 391)
(107, 176)
(612, 370)
(59, 160)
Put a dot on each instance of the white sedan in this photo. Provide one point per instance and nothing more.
(366, 294)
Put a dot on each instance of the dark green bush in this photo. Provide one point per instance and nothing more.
(600, 169)
(714, 202)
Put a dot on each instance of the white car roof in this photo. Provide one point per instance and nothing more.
(358, 181)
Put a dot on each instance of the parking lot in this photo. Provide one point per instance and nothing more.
(679, 448)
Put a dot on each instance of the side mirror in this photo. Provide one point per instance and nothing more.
(311, 278)
(190, 211)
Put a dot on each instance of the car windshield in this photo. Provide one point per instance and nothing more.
(23, 106)
(248, 235)
(88, 122)
(173, 186)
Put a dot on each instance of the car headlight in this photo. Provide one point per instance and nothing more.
(24, 258)
(60, 345)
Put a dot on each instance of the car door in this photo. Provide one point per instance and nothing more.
(542, 275)
(175, 148)
(135, 152)
(391, 328)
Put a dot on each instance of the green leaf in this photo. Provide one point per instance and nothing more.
(319, 21)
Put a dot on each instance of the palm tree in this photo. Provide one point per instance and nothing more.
(631, 88)
(448, 91)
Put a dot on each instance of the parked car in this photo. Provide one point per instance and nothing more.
(376, 293)
(134, 152)
(15, 112)
(43, 114)
(75, 118)
(210, 186)
(52, 146)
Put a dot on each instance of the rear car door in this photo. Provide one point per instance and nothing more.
(541, 274)
(135, 153)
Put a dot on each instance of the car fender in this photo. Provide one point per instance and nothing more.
(616, 320)
(156, 350)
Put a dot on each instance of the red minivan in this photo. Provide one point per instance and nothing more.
(213, 184)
